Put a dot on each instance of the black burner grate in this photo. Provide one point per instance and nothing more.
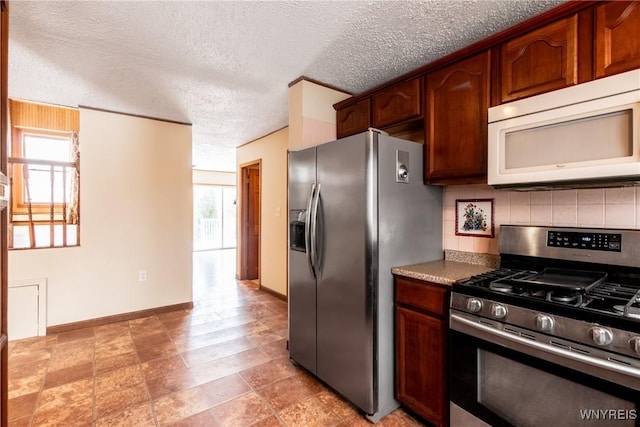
(484, 279)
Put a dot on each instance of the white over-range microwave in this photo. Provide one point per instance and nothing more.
(583, 135)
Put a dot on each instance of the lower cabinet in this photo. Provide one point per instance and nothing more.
(421, 315)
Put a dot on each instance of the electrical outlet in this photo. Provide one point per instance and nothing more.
(142, 275)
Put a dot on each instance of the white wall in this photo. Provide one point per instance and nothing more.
(600, 208)
(272, 151)
(312, 118)
(136, 214)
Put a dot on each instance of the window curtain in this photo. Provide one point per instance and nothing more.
(72, 214)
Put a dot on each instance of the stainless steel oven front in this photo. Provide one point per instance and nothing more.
(504, 376)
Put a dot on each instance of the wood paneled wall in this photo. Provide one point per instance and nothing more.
(40, 116)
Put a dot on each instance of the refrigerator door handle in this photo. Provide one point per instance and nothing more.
(307, 231)
(314, 232)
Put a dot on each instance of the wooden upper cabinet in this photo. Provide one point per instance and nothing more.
(617, 33)
(457, 101)
(540, 61)
(398, 103)
(354, 118)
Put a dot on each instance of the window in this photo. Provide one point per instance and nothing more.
(44, 176)
(214, 217)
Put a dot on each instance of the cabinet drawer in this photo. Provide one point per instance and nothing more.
(354, 118)
(422, 295)
(400, 102)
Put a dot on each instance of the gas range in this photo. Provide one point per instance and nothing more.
(571, 288)
(581, 293)
(552, 334)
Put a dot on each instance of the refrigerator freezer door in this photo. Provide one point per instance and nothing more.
(345, 345)
(302, 284)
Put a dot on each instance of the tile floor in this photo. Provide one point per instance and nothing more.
(223, 363)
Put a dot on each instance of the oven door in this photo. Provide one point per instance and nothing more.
(502, 382)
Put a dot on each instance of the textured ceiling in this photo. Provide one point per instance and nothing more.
(225, 65)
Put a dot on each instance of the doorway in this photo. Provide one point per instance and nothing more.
(214, 217)
(250, 220)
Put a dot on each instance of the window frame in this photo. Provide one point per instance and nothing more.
(54, 121)
(18, 203)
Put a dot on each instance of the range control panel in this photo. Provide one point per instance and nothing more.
(580, 240)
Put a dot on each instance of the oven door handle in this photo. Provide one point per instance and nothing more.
(605, 369)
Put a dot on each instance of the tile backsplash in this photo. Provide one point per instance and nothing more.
(603, 207)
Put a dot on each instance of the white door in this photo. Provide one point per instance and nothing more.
(23, 312)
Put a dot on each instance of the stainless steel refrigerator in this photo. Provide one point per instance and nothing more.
(357, 207)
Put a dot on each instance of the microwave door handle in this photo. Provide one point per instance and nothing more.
(315, 247)
(307, 231)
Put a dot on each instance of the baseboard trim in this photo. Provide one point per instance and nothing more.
(99, 321)
(274, 293)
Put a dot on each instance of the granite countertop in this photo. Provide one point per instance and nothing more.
(455, 266)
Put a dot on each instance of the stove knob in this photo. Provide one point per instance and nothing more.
(635, 344)
(498, 311)
(600, 335)
(544, 322)
(474, 305)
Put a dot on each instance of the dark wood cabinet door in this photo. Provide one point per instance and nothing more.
(540, 61)
(421, 365)
(398, 103)
(456, 128)
(617, 37)
(353, 119)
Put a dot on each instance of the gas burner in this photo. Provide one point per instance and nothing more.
(633, 312)
(564, 297)
(501, 287)
(507, 286)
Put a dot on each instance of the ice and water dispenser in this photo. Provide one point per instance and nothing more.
(402, 166)
(297, 230)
